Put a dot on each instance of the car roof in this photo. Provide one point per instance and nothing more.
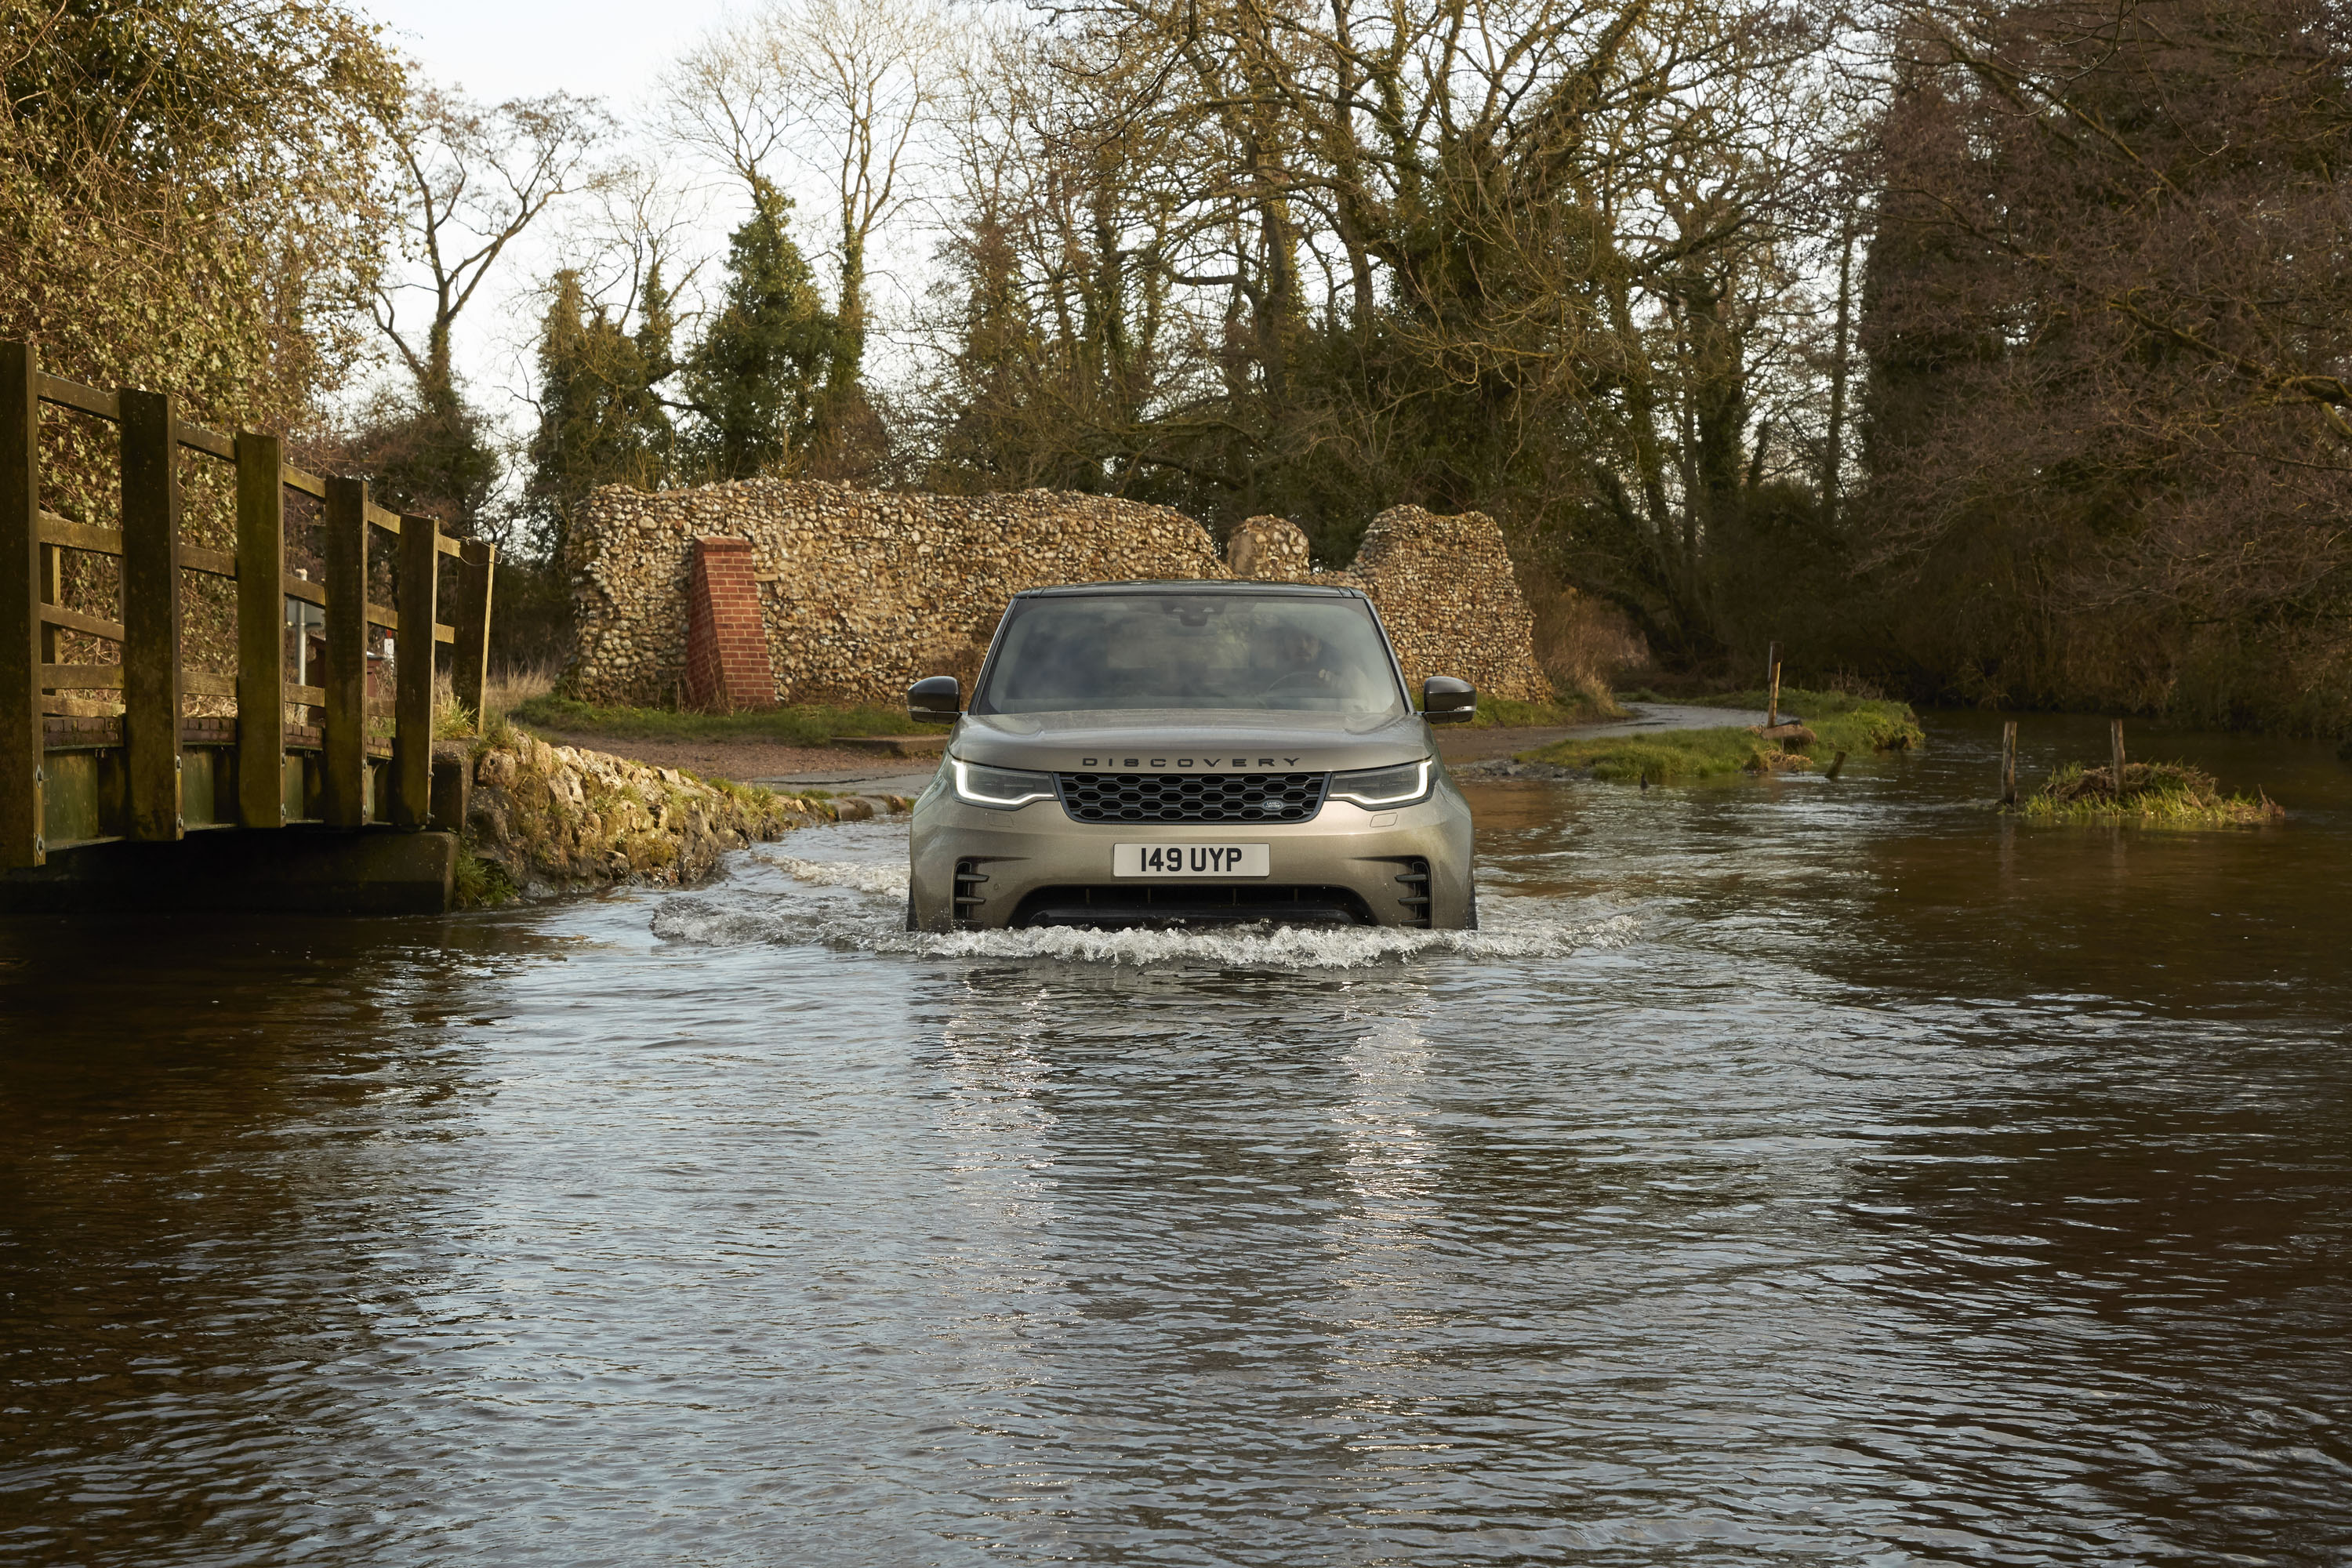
(1192, 585)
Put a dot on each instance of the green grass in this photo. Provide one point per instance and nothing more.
(1665, 756)
(1502, 713)
(452, 720)
(2160, 794)
(482, 884)
(790, 726)
(1840, 723)
(497, 735)
(1814, 706)
(1851, 724)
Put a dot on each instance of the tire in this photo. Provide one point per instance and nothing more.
(910, 910)
(1470, 921)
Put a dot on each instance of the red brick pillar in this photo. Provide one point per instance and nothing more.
(726, 642)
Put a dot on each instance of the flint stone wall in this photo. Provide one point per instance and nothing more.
(863, 592)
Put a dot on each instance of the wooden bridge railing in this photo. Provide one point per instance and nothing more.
(74, 772)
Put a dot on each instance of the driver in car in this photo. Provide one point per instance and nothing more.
(1295, 660)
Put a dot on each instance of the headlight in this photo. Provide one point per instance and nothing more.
(1401, 785)
(976, 783)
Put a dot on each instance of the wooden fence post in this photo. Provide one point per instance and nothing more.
(151, 615)
(52, 591)
(2115, 749)
(1772, 702)
(2008, 763)
(22, 808)
(260, 631)
(419, 611)
(469, 617)
(344, 744)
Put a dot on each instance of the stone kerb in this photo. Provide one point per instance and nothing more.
(862, 592)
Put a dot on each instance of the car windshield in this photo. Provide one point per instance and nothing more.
(1090, 651)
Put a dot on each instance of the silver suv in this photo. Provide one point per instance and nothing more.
(1185, 753)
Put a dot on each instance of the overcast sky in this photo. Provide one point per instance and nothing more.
(510, 48)
(497, 49)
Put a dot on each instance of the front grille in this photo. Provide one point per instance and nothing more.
(1193, 797)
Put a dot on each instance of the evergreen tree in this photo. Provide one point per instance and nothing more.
(428, 452)
(601, 422)
(756, 380)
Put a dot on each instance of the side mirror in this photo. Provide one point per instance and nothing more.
(1445, 700)
(935, 700)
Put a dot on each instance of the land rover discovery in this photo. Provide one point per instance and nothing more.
(1186, 753)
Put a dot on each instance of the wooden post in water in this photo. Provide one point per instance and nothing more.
(21, 793)
(2116, 749)
(151, 615)
(344, 678)
(418, 608)
(1772, 703)
(469, 617)
(260, 631)
(2008, 763)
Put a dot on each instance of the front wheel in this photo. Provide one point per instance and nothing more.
(1470, 920)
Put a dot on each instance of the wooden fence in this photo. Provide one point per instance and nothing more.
(75, 771)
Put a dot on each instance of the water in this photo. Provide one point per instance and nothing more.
(1791, 1173)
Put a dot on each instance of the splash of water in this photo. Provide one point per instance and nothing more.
(1265, 946)
(859, 875)
(1513, 929)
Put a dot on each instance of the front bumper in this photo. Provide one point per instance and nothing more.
(1043, 868)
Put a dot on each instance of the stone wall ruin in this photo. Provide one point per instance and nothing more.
(862, 592)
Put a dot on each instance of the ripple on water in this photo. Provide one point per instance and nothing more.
(1908, 1188)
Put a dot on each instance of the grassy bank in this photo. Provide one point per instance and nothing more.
(1834, 723)
(1845, 724)
(2162, 795)
(1502, 713)
(804, 726)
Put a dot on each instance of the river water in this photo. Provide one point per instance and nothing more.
(1792, 1172)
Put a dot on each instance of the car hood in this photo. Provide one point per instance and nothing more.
(1204, 741)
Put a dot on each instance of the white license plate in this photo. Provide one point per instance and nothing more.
(1189, 860)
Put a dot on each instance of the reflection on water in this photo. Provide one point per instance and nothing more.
(1792, 1172)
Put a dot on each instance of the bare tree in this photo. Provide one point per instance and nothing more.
(729, 100)
(1550, 259)
(632, 229)
(474, 178)
(2107, 317)
(843, 89)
